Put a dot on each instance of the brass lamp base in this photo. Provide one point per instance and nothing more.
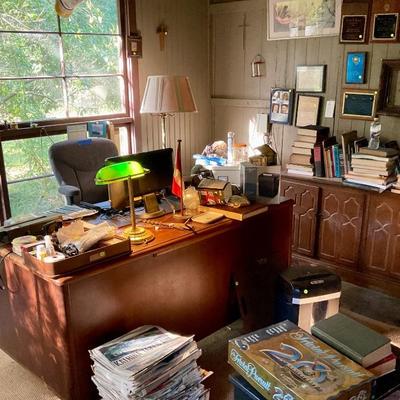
(138, 235)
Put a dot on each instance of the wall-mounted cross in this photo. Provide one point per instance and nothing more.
(244, 26)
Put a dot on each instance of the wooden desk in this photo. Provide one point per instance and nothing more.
(181, 281)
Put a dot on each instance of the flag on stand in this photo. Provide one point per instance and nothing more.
(177, 178)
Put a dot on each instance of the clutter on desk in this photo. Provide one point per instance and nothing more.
(214, 191)
(18, 242)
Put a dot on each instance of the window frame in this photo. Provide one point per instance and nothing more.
(31, 129)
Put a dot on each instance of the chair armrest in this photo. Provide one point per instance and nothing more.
(69, 190)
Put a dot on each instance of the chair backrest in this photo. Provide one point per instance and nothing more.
(75, 162)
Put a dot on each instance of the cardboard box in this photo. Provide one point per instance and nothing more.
(284, 360)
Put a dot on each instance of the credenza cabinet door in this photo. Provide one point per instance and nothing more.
(305, 208)
(383, 236)
(340, 226)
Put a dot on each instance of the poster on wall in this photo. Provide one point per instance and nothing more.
(294, 19)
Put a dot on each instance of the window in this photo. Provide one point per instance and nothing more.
(54, 71)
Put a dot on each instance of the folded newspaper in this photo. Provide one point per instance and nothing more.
(149, 363)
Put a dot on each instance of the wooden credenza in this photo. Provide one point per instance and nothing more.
(187, 282)
(354, 231)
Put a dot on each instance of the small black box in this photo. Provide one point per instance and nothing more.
(268, 185)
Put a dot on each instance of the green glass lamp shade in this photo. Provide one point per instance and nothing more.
(120, 172)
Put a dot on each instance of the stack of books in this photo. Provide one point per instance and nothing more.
(149, 363)
(283, 361)
(373, 168)
(301, 160)
(396, 185)
(358, 342)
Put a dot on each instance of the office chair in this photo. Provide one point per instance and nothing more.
(75, 163)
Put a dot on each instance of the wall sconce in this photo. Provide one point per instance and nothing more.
(258, 66)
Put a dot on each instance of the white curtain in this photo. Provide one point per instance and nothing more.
(64, 8)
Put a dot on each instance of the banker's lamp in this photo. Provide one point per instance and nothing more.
(126, 171)
(165, 95)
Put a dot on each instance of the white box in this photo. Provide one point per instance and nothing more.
(230, 173)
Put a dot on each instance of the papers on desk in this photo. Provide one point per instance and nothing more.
(149, 363)
(71, 211)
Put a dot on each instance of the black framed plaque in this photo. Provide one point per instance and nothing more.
(353, 29)
(385, 27)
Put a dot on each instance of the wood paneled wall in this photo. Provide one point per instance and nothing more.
(237, 97)
(186, 53)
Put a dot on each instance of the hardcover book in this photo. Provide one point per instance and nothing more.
(283, 361)
(355, 340)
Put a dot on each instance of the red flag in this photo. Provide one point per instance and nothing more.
(177, 178)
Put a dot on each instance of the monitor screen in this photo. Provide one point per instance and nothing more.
(160, 164)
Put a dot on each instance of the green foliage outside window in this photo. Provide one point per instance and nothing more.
(59, 60)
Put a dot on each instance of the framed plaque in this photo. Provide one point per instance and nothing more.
(359, 104)
(353, 29)
(355, 67)
(385, 27)
(310, 78)
(384, 24)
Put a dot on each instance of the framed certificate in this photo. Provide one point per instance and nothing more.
(310, 78)
(307, 110)
(359, 104)
(355, 67)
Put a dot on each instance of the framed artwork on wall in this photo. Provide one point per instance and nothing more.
(355, 67)
(359, 104)
(307, 110)
(310, 78)
(293, 19)
(281, 106)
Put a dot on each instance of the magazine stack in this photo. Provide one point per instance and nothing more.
(149, 363)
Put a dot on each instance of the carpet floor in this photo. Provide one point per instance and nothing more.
(379, 311)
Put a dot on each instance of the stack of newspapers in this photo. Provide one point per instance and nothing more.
(149, 363)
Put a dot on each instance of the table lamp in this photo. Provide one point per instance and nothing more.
(165, 95)
(126, 171)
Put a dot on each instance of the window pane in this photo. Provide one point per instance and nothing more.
(100, 54)
(28, 15)
(95, 96)
(100, 16)
(27, 158)
(34, 196)
(31, 100)
(25, 55)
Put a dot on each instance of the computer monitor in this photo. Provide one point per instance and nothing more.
(160, 164)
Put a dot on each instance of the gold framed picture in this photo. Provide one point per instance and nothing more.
(359, 104)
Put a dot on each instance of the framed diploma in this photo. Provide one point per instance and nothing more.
(355, 67)
(307, 110)
(359, 104)
(310, 78)
(385, 27)
(353, 29)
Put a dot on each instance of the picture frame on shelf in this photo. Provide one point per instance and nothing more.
(292, 19)
(310, 78)
(281, 106)
(355, 67)
(359, 104)
(307, 110)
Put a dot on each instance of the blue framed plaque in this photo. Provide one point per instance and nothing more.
(355, 67)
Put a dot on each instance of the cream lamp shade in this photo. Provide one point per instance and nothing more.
(165, 95)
